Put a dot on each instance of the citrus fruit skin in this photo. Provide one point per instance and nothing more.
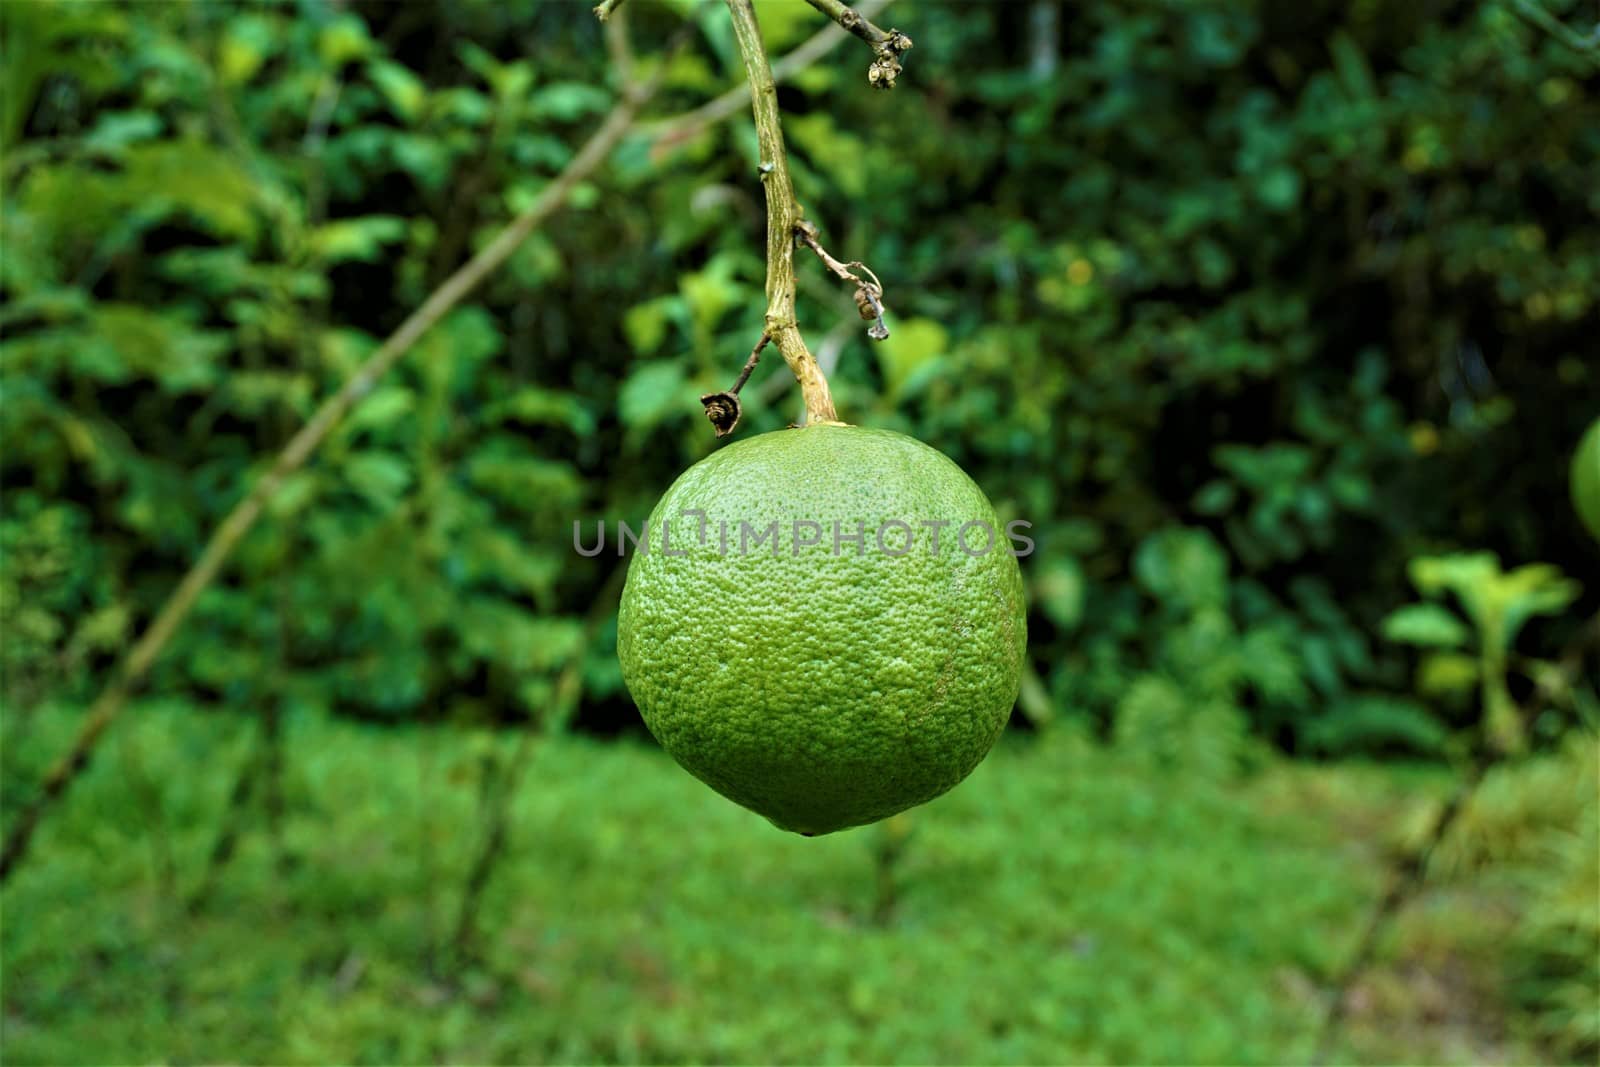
(829, 685)
(1586, 479)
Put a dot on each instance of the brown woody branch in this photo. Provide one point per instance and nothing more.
(887, 45)
(819, 44)
(869, 291)
(724, 409)
(783, 215)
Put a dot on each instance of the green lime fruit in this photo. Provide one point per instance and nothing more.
(1586, 479)
(825, 625)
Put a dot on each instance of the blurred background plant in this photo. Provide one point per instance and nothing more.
(1269, 321)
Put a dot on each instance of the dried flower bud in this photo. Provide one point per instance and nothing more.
(723, 409)
(865, 303)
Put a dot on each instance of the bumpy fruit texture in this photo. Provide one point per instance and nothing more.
(829, 685)
(1586, 479)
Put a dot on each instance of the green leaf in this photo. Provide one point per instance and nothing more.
(653, 393)
(1498, 602)
(116, 130)
(1279, 188)
(404, 91)
(709, 293)
(912, 344)
(510, 474)
(1182, 566)
(569, 101)
(386, 406)
(244, 47)
(515, 639)
(1059, 589)
(1372, 722)
(343, 39)
(426, 159)
(362, 240)
(1428, 625)
(1034, 699)
(543, 407)
(1443, 674)
(1216, 497)
(1533, 589)
(380, 477)
(646, 324)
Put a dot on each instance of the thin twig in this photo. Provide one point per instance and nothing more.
(564, 701)
(619, 48)
(226, 842)
(131, 672)
(750, 364)
(724, 409)
(783, 213)
(272, 791)
(887, 45)
(819, 44)
(1405, 881)
(1587, 44)
(869, 291)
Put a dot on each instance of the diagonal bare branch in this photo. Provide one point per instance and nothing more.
(131, 672)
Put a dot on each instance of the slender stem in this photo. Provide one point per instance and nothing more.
(619, 49)
(131, 672)
(783, 213)
(868, 295)
(1408, 879)
(1585, 43)
(750, 364)
(887, 45)
(568, 694)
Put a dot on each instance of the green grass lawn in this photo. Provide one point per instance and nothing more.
(1065, 903)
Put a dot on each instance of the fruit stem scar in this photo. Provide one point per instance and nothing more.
(783, 215)
(724, 409)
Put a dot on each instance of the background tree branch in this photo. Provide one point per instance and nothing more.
(1407, 879)
(131, 672)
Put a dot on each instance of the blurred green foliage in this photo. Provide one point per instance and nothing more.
(1289, 299)
(1270, 319)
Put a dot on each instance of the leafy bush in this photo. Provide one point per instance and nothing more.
(1313, 285)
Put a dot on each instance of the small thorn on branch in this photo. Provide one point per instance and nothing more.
(724, 409)
(869, 291)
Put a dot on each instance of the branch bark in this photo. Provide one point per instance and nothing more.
(887, 45)
(783, 215)
(131, 672)
(819, 44)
